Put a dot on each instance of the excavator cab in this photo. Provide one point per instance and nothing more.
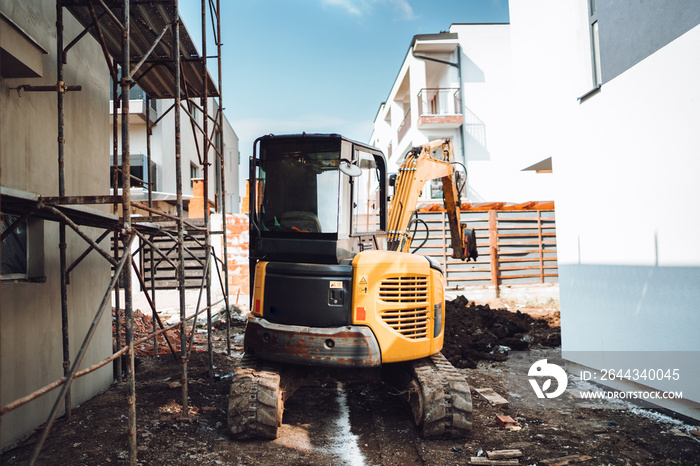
(317, 199)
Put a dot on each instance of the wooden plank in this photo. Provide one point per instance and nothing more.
(493, 248)
(517, 235)
(504, 454)
(548, 275)
(526, 251)
(492, 397)
(484, 461)
(526, 267)
(566, 460)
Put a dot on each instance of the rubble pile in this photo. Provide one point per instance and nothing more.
(143, 325)
(477, 332)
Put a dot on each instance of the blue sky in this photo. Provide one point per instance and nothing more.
(320, 65)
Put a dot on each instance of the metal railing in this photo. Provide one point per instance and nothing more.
(439, 101)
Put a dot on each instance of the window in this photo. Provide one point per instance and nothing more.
(194, 173)
(298, 185)
(23, 249)
(367, 195)
(595, 44)
(139, 176)
(14, 249)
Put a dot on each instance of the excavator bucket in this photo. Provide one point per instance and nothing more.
(469, 250)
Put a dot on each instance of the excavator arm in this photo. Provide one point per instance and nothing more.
(418, 168)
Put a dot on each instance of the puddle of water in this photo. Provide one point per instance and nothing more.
(344, 443)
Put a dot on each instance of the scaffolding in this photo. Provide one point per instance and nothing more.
(144, 43)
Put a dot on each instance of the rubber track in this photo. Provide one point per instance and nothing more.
(441, 398)
(255, 403)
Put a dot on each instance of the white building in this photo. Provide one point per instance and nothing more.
(162, 172)
(460, 85)
(616, 89)
(609, 91)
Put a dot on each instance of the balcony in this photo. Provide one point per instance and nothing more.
(405, 124)
(439, 108)
(137, 106)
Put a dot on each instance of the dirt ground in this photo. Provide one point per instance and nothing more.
(361, 424)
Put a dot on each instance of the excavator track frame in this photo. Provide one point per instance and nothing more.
(439, 398)
(256, 400)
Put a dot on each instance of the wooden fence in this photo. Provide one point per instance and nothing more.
(517, 244)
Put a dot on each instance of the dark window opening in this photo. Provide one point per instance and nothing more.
(14, 249)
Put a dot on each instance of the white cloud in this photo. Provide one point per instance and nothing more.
(351, 6)
(402, 8)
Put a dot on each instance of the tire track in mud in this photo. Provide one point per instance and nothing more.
(380, 420)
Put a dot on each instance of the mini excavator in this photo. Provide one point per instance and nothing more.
(335, 292)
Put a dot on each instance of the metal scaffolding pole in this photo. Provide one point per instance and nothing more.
(204, 101)
(150, 205)
(115, 238)
(223, 178)
(62, 192)
(180, 220)
(126, 217)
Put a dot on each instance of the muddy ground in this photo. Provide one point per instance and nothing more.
(358, 424)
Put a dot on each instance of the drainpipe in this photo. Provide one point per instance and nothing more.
(462, 127)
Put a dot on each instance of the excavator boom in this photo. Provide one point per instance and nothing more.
(419, 167)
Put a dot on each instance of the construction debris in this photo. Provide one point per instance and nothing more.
(503, 454)
(485, 461)
(566, 460)
(143, 325)
(506, 421)
(492, 397)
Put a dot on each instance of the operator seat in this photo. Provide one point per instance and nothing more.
(304, 221)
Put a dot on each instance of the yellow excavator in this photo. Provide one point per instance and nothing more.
(335, 293)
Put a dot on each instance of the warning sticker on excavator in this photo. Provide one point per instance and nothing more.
(362, 288)
(337, 285)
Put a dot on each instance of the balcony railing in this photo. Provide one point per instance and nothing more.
(439, 101)
(405, 124)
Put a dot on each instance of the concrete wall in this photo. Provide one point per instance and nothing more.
(31, 351)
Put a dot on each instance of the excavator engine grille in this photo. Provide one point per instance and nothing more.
(404, 290)
(411, 322)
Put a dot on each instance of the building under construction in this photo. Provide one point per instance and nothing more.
(76, 238)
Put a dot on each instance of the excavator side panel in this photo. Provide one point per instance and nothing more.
(400, 297)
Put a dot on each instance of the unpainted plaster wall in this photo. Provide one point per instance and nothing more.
(31, 351)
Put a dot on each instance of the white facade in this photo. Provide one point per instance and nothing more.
(624, 146)
(471, 64)
(625, 164)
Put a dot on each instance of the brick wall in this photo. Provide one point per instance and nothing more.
(237, 251)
